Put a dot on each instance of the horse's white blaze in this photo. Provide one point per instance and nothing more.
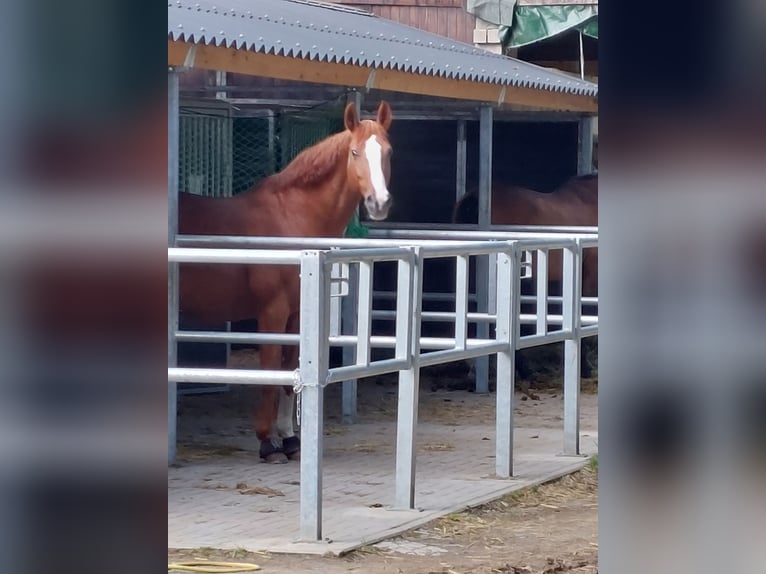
(373, 152)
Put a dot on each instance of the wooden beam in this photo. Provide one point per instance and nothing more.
(288, 68)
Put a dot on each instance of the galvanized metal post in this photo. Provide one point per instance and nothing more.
(506, 330)
(462, 155)
(542, 291)
(314, 363)
(485, 167)
(348, 327)
(409, 385)
(483, 263)
(349, 392)
(585, 146)
(572, 288)
(173, 142)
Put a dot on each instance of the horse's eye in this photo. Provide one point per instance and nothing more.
(354, 152)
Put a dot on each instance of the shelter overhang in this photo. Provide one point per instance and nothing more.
(320, 43)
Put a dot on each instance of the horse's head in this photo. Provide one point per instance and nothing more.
(369, 158)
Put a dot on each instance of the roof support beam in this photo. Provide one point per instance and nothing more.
(485, 264)
(585, 146)
(289, 68)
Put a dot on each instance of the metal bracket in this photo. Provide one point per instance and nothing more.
(339, 280)
(526, 264)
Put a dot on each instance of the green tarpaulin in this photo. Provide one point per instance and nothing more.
(534, 23)
(523, 25)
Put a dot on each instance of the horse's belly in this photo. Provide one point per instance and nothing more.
(215, 293)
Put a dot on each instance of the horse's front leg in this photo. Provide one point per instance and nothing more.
(272, 320)
(291, 444)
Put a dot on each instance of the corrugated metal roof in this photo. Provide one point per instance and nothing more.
(332, 33)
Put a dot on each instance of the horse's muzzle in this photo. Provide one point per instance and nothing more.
(377, 210)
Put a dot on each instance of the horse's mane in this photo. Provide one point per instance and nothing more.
(312, 166)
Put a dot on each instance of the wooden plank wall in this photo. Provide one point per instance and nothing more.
(444, 17)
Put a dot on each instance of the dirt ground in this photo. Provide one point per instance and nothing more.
(544, 530)
(548, 529)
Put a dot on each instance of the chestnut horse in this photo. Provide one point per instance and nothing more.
(575, 203)
(314, 196)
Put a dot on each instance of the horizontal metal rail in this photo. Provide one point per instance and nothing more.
(547, 339)
(230, 376)
(448, 317)
(450, 297)
(244, 256)
(438, 316)
(320, 243)
(468, 248)
(374, 368)
(238, 338)
(389, 342)
(410, 248)
(531, 319)
(589, 331)
(377, 239)
(370, 254)
(451, 230)
(450, 355)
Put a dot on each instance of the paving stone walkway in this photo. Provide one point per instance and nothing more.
(221, 496)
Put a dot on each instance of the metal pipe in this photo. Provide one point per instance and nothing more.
(585, 146)
(348, 326)
(449, 317)
(368, 254)
(438, 316)
(380, 229)
(461, 301)
(538, 340)
(450, 297)
(571, 289)
(589, 331)
(313, 368)
(483, 265)
(369, 370)
(542, 290)
(405, 306)
(238, 338)
(461, 160)
(230, 376)
(364, 313)
(173, 151)
(244, 256)
(450, 355)
(387, 239)
(507, 310)
(407, 404)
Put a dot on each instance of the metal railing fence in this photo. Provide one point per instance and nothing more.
(319, 274)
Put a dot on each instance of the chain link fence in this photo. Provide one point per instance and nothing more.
(224, 154)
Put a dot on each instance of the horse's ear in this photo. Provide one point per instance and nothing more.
(384, 115)
(351, 117)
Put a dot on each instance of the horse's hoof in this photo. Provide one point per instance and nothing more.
(275, 458)
(292, 447)
(271, 454)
